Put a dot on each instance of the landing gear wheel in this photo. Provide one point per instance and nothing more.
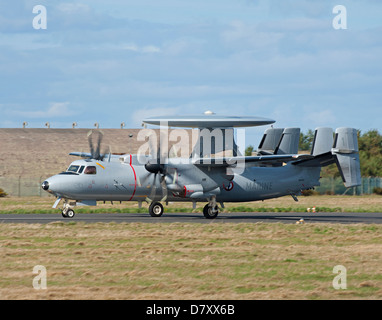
(156, 209)
(70, 213)
(209, 212)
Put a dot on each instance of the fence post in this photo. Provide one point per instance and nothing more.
(39, 185)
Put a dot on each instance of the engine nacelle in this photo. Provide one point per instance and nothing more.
(190, 189)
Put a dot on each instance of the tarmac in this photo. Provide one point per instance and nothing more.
(271, 217)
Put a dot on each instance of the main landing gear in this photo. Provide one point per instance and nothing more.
(210, 210)
(156, 209)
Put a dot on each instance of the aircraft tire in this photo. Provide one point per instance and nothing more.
(208, 213)
(70, 213)
(156, 209)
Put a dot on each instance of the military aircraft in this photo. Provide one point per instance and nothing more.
(215, 172)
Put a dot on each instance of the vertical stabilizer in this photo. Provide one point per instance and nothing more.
(270, 140)
(347, 157)
(344, 153)
(323, 141)
(289, 141)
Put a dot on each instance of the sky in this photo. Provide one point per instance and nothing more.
(117, 61)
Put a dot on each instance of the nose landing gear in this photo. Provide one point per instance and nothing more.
(67, 211)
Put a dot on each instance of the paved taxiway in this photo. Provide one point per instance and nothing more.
(238, 217)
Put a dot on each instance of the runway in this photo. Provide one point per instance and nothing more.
(319, 217)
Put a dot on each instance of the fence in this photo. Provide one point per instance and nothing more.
(336, 186)
(23, 186)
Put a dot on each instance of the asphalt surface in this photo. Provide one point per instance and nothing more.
(323, 217)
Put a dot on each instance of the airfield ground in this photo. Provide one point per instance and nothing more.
(367, 203)
(193, 261)
(190, 261)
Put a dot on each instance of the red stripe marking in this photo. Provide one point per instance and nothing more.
(135, 178)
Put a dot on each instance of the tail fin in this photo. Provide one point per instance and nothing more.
(279, 141)
(322, 142)
(289, 141)
(270, 141)
(347, 158)
(344, 153)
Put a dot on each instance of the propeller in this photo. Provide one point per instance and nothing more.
(156, 166)
(95, 152)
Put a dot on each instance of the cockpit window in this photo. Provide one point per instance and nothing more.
(81, 169)
(90, 170)
(73, 168)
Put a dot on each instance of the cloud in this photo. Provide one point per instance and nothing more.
(125, 61)
(56, 110)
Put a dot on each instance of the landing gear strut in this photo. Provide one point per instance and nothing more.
(67, 211)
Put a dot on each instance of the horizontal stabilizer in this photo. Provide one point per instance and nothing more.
(265, 160)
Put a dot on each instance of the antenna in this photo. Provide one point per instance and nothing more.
(130, 136)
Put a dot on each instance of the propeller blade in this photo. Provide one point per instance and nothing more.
(98, 150)
(157, 164)
(143, 181)
(164, 188)
(90, 133)
(153, 192)
(105, 153)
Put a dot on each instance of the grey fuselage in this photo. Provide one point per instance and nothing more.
(128, 180)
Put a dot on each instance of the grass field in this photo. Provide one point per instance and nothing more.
(190, 261)
(193, 261)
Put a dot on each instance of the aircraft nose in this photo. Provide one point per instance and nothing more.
(45, 185)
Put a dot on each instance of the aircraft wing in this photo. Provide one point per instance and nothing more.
(265, 160)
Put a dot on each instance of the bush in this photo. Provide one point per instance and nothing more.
(2, 193)
(378, 190)
(310, 192)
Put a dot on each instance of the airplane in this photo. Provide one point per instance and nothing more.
(214, 173)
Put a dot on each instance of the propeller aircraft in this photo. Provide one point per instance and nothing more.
(214, 173)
